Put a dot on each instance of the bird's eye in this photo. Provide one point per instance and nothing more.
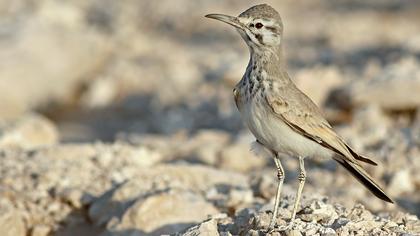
(259, 25)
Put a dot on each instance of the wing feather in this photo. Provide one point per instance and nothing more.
(305, 118)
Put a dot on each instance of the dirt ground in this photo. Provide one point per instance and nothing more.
(117, 118)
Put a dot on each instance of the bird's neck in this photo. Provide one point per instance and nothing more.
(265, 70)
(269, 60)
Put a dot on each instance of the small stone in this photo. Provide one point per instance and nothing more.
(206, 145)
(207, 228)
(294, 232)
(262, 220)
(225, 234)
(275, 233)
(239, 157)
(311, 231)
(30, 131)
(265, 186)
(319, 212)
(72, 196)
(237, 197)
(359, 212)
(11, 222)
(252, 232)
(100, 93)
(41, 230)
(327, 232)
(340, 222)
(401, 182)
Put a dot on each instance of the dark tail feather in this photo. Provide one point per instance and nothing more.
(363, 177)
(361, 158)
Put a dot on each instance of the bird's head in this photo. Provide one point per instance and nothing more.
(260, 26)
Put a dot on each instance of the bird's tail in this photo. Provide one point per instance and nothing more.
(363, 177)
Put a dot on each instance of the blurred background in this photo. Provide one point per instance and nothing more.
(82, 78)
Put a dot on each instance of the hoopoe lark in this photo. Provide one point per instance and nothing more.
(281, 117)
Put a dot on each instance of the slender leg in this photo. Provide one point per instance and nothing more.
(302, 178)
(280, 176)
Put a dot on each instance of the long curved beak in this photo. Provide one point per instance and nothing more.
(231, 20)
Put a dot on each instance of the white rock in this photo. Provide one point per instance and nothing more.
(327, 232)
(240, 158)
(294, 232)
(11, 222)
(395, 88)
(47, 58)
(320, 212)
(29, 131)
(41, 230)
(159, 178)
(165, 213)
(72, 196)
(401, 182)
(101, 92)
(207, 228)
(206, 145)
(308, 79)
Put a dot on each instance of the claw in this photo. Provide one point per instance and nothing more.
(276, 227)
(270, 229)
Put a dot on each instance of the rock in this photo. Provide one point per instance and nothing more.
(242, 221)
(206, 145)
(370, 125)
(359, 213)
(30, 131)
(239, 196)
(401, 182)
(261, 220)
(239, 157)
(319, 212)
(230, 197)
(412, 224)
(207, 228)
(100, 93)
(307, 79)
(46, 58)
(54, 184)
(252, 232)
(265, 186)
(327, 232)
(372, 116)
(340, 222)
(165, 213)
(159, 178)
(41, 230)
(389, 89)
(11, 222)
(72, 196)
(294, 232)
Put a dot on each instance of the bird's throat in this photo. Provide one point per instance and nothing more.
(268, 60)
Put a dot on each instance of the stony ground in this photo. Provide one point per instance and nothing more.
(118, 119)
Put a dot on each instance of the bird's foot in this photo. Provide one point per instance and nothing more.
(270, 229)
(273, 226)
(278, 228)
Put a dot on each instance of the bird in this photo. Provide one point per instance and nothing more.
(281, 117)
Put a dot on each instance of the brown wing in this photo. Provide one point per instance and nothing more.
(305, 118)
